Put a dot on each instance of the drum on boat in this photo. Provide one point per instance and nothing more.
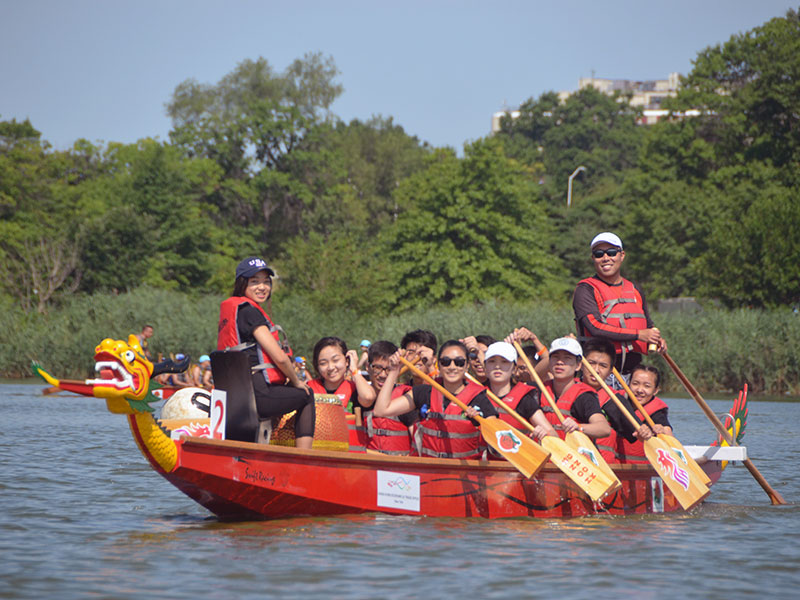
(330, 427)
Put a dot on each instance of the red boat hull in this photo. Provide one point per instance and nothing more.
(238, 480)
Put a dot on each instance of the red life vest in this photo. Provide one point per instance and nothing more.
(619, 306)
(446, 433)
(346, 392)
(389, 435)
(608, 444)
(633, 452)
(228, 336)
(512, 399)
(565, 402)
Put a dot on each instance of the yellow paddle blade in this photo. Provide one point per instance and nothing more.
(690, 463)
(520, 450)
(687, 489)
(582, 471)
(580, 441)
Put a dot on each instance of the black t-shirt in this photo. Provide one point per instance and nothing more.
(421, 394)
(620, 422)
(527, 406)
(585, 405)
(248, 319)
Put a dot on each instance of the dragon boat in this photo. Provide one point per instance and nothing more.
(242, 480)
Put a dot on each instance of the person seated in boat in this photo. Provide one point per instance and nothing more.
(300, 368)
(388, 435)
(536, 352)
(501, 358)
(609, 306)
(576, 400)
(600, 354)
(337, 374)
(645, 381)
(477, 345)
(244, 324)
(421, 344)
(178, 380)
(363, 359)
(444, 430)
(200, 374)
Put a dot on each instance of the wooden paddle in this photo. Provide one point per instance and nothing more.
(414, 361)
(577, 439)
(673, 442)
(582, 471)
(687, 489)
(521, 451)
(774, 496)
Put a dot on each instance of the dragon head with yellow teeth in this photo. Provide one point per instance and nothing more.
(123, 376)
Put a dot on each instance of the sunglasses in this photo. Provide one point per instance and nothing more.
(446, 360)
(612, 252)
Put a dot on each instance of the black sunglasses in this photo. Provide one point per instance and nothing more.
(612, 252)
(446, 360)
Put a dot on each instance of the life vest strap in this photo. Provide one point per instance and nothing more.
(438, 433)
(389, 432)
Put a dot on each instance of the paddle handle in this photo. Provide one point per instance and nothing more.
(774, 496)
(610, 393)
(539, 381)
(415, 360)
(633, 398)
(503, 405)
(433, 383)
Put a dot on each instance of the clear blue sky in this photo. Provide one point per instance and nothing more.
(103, 69)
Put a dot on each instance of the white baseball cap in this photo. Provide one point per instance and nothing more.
(567, 344)
(608, 238)
(503, 349)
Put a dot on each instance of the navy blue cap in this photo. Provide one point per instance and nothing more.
(252, 265)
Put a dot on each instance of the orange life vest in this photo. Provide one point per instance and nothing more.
(389, 435)
(620, 306)
(228, 336)
(445, 432)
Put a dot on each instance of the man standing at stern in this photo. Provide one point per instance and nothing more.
(609, 306)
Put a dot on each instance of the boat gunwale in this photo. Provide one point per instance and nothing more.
(360, 458)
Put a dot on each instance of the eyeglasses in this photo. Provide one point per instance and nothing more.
(379, 369)
(612, 252)
(473, 355)
(446, 360)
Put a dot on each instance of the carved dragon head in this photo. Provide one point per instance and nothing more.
(123, 376)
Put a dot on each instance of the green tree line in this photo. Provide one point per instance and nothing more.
(361, 216)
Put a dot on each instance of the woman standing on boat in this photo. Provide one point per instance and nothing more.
(244, 323)
(445, 431)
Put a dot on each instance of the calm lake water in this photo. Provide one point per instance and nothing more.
(82, 515)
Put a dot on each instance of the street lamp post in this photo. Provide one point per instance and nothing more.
(569, 184)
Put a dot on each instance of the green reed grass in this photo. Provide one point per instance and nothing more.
(717, 349)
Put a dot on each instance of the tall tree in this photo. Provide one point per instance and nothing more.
(472, 230)
(748, 92)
